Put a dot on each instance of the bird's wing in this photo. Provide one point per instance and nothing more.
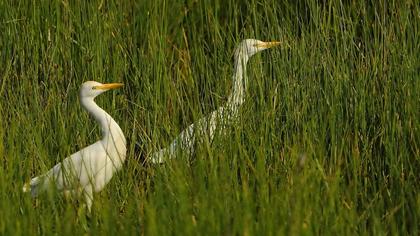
(187, 138)
(79, 169)
(208, 125)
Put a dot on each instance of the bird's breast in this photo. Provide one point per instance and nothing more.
(115, 146)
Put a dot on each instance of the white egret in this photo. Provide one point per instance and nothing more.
(220, 117)
(91, 168)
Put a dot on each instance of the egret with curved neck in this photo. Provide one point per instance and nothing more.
(218, 118)
(90, 169)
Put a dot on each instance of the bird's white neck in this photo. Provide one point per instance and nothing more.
(240, 82)
(111, 131)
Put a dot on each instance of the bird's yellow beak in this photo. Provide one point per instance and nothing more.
(266, 45)
(109, 86)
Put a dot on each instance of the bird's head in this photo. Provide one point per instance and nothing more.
(251, 46)
(92, 89)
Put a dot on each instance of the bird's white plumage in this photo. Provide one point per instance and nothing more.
(91, 168)
(223, 115)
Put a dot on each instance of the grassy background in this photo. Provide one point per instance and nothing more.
(345, 95)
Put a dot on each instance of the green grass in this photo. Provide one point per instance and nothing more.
(345, 95)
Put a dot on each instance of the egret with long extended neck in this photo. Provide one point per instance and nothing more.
(218, 118)
(90, 169)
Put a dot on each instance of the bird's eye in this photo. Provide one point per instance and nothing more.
(94, 88)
